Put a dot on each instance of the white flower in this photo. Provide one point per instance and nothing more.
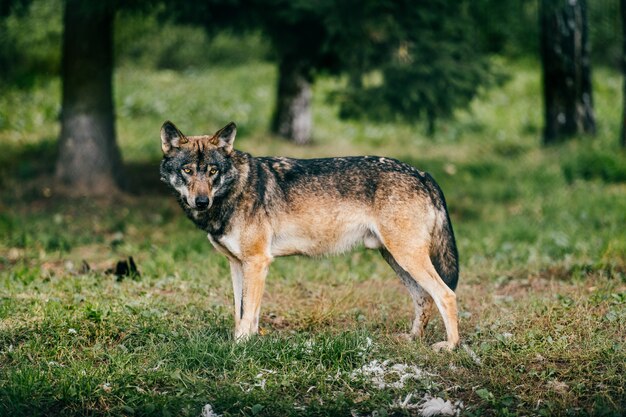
(207, 411)
(429, 406)
(436, 406)
(379, 374)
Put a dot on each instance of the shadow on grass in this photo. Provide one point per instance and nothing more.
(28, 166)
(21, 163)
(144, 179)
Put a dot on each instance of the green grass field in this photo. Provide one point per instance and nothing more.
(541, 235)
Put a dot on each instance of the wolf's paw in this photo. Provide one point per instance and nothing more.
(243, 335)
(240, 338)
(445, 346)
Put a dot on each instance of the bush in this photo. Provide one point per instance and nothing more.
(420, 62)
(594, 164)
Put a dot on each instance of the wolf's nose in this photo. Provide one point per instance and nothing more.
(202, 202)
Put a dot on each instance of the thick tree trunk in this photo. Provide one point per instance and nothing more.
(565, 53)
(89, 160)
(292, 117)
(623, 138)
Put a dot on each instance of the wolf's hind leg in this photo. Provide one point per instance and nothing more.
(419, 266)
(422, 301)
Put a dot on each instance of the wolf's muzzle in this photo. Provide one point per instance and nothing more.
(202, 202)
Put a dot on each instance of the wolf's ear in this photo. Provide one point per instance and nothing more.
(225, 137)
(171, 137)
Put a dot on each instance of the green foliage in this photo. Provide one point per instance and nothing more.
(506, 27)
(426, 55)
(150, 41)
(7, 7)
(591, 163)
(605, 25)
(511, 28)
(298, 33)
(30, 42)
(31, 35)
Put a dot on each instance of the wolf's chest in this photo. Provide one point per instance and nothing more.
(228, 245)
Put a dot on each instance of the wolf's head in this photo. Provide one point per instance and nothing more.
(199, 168)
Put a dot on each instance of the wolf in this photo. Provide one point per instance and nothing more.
(257, 208)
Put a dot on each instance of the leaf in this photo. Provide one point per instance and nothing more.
(485, 394)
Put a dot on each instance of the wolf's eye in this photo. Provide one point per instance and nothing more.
(186, 170)
(213, 171)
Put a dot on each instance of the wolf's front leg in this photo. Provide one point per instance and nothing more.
(236, 274)
(254, 273)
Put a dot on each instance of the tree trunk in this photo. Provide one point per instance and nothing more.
(89, 161)
(566, 63)
(292, 117)
(623, 138)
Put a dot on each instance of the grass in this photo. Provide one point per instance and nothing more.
(542, 292)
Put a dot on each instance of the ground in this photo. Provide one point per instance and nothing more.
(542, 293)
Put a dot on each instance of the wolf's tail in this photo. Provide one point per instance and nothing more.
(443, 251)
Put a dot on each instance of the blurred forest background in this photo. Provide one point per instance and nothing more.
(391, 61)
(515, 106)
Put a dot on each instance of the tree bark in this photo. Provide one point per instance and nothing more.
(565, 53)
(89, 161)
(623, 136)
(292, 117)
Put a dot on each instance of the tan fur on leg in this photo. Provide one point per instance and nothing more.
(421, 269)
(254, 273)
(422, 301)
(236, 273)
